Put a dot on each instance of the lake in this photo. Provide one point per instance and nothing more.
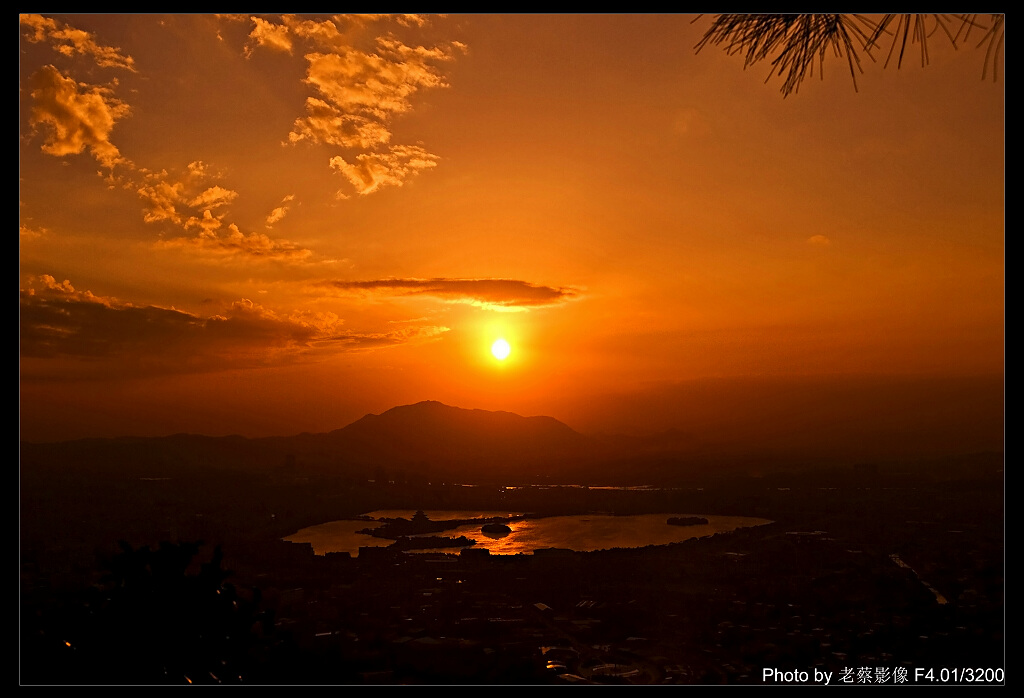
(581, 533)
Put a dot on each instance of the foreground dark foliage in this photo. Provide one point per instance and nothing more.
(157, 616)
(796, 43)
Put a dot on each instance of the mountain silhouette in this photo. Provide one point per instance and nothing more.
(426, 437)
(431, 429)
(424, 442)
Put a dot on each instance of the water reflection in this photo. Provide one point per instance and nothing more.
(580, 533)
(339, 536)
(439, 514)
(598, 532)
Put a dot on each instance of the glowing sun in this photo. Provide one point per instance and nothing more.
(500, 349)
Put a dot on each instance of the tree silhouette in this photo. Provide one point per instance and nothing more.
(796, 42)
(154, 619)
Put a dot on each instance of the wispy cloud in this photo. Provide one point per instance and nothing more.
(26, 232)
(75, 116)
(409, 20)
(235, 243)
(379, 84)
(281, 211)
(371, 171)
(68, 41)
(818, 240)
(360, 82)
(408, 335)
(213, 197)
(163, 192)
(269, 35)
(358, 90)
(325, 123)
(161, 197)
(189, 200)
(495, 294)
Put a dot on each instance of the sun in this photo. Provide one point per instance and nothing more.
(500, 349)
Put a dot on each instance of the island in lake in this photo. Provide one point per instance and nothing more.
(686, 521)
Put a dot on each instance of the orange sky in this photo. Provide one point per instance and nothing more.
(268, 225)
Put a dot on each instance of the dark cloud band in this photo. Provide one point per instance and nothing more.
(58, 321)
(498, 292)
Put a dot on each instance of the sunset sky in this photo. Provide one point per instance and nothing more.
(268, 225)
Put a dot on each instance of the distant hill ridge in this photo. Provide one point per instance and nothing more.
(418, 436)
(426, 441)
(430, 436)
(431, 427)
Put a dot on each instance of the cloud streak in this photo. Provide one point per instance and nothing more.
(495, 294)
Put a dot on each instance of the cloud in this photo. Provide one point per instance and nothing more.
(325, 34)
(407, 335)
(59, 321)
(495, 294)
(359, 91)
(268, 34)
(208, 224)
(359, 87)
(819, 240)
(51, 284)
(371, 171)
(163, 192)
(326, 124)
(75, 119)
(26, 233)
(161, 196)
(213, 197)
(69, 41)
(40, 26)
(198, 168)
(280, 212)
(108, 335)
(235, 243)
(337, 33)
(322, 322)
(411, 20)
(378, 84)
